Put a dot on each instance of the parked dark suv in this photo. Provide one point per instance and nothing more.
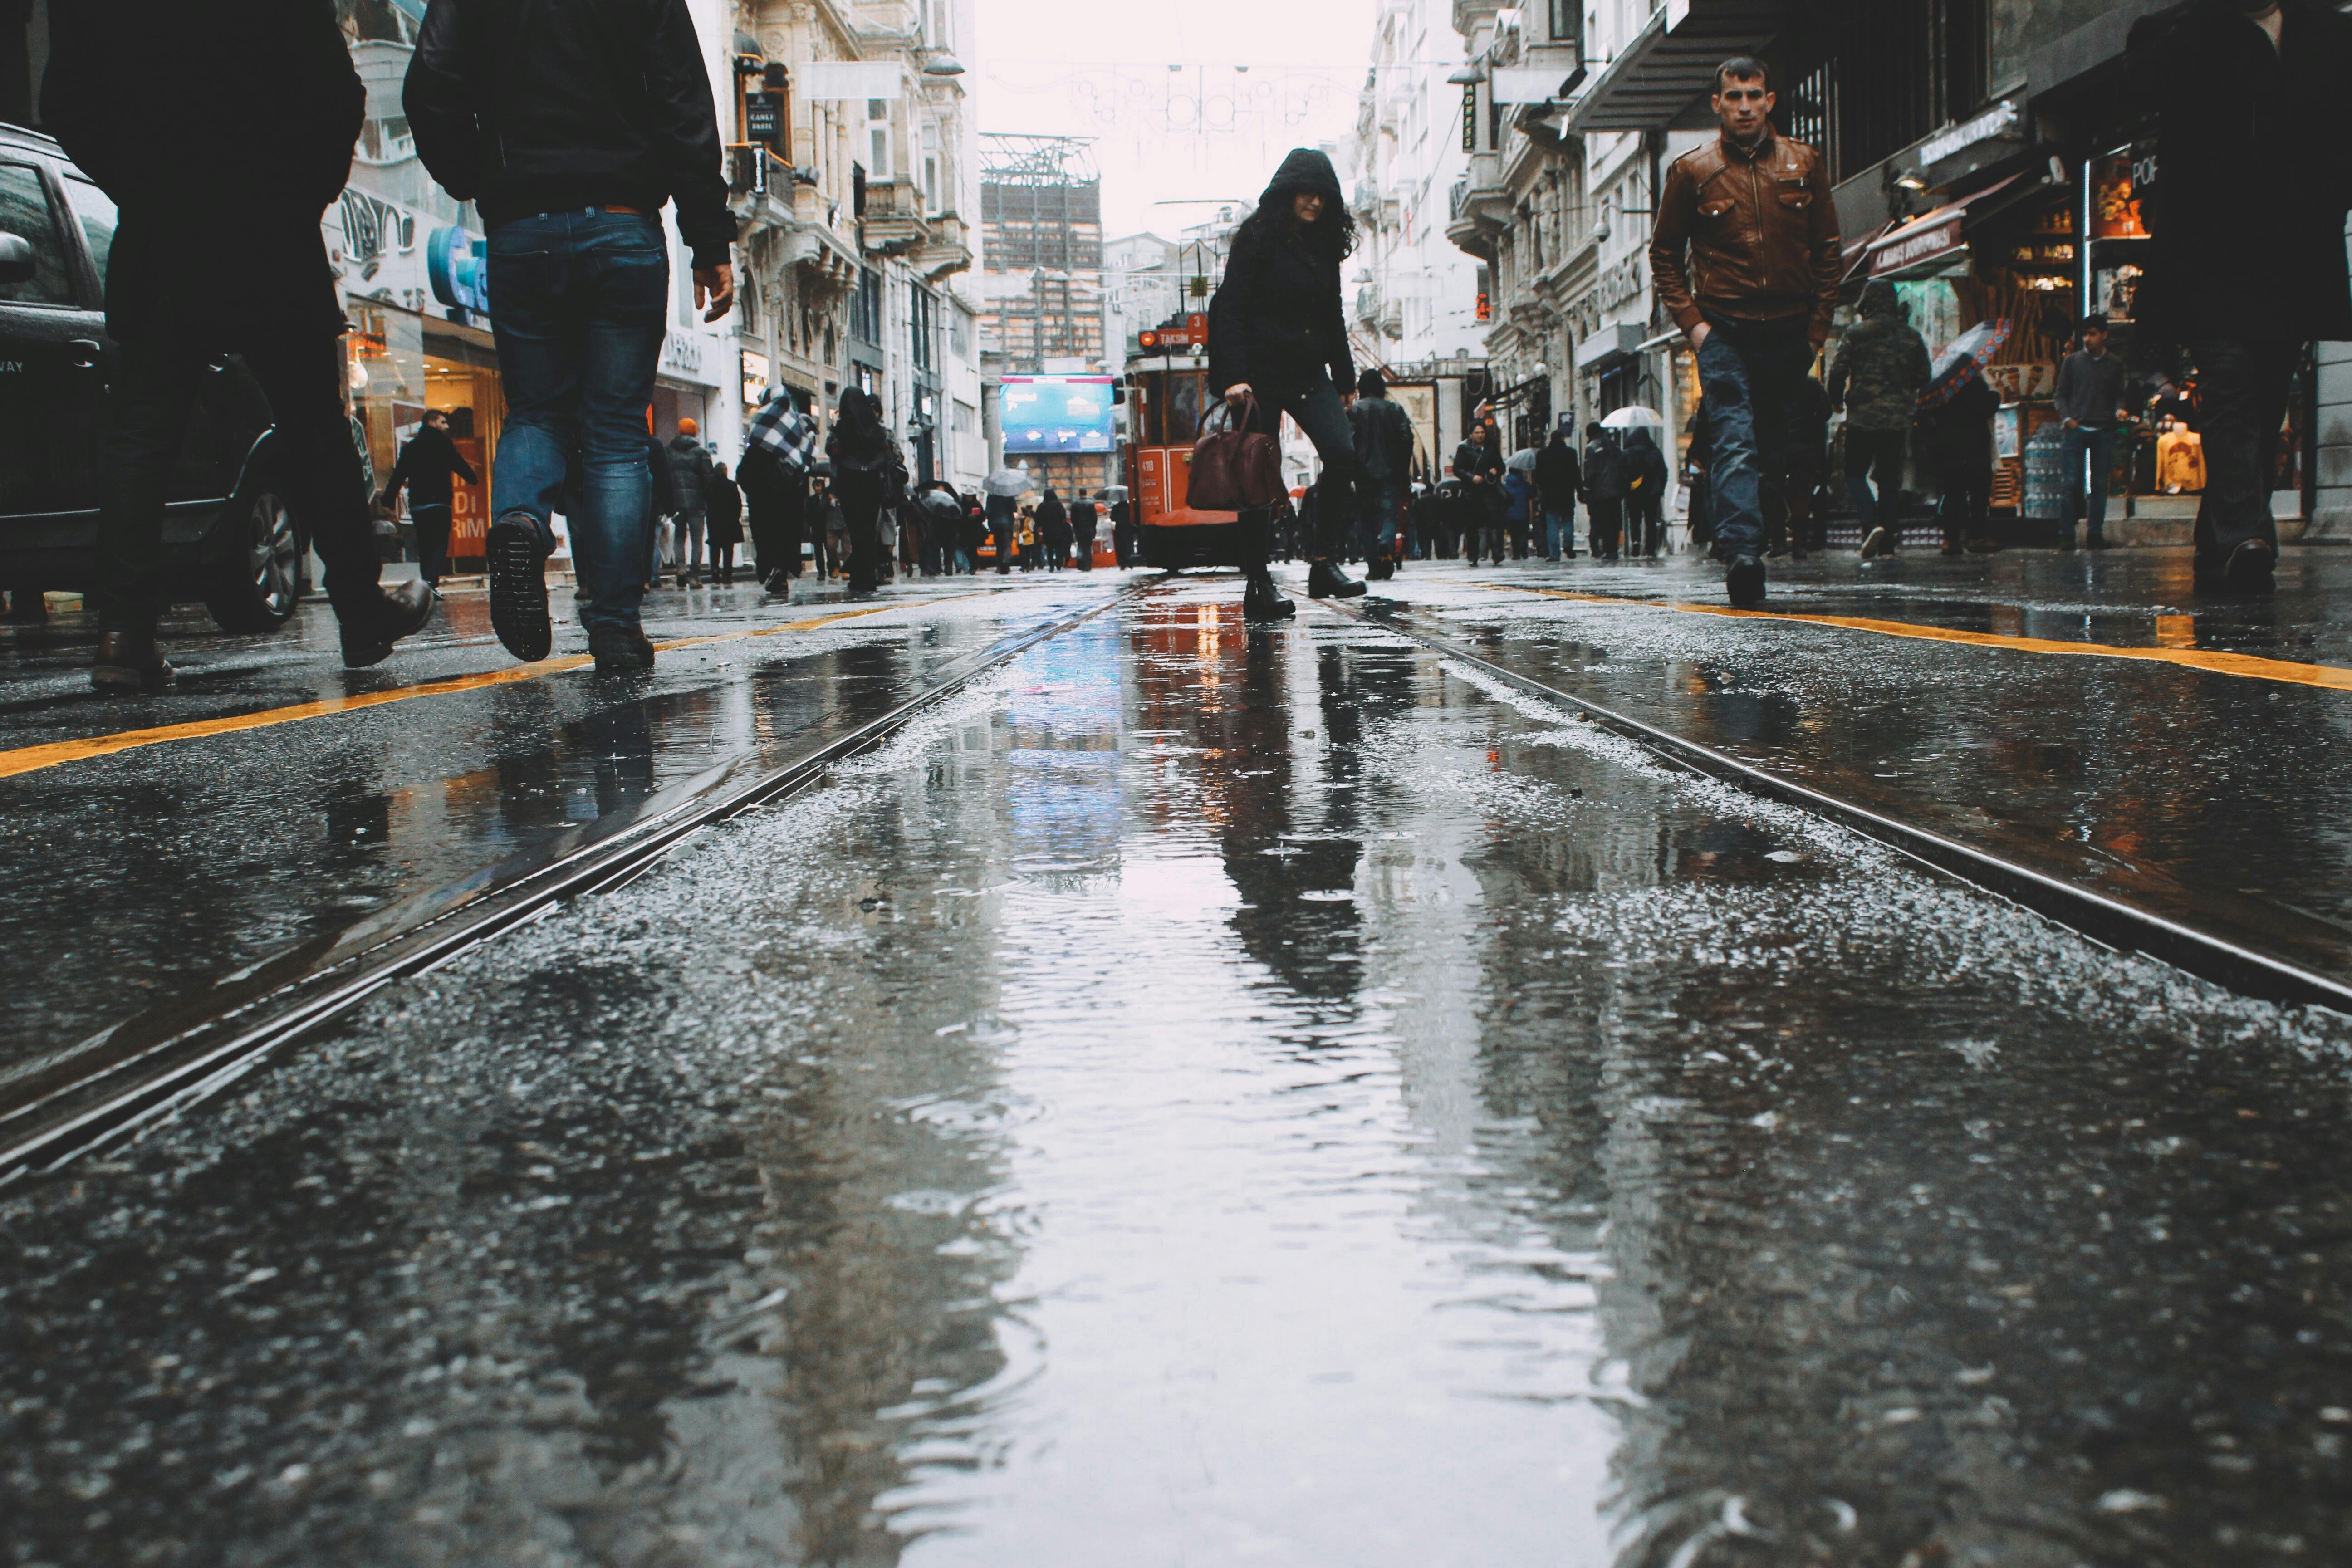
(241, 549)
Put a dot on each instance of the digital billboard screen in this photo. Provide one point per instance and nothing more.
(1056, 414)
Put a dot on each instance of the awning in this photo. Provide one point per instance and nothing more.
(1672, 60)
(1607, 347)
(1931, 238)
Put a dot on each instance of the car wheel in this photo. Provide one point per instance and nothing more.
(256, 583)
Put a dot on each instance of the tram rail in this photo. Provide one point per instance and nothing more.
(2107, 921)
(57, 1123)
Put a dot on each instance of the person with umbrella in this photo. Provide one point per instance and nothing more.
(1645, 492)
(1004, 488)
(1953, 431)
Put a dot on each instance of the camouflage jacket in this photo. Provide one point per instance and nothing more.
(1881, 369)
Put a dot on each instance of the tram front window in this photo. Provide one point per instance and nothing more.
(1183, 409)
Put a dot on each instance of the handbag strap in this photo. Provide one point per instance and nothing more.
(1247, 418)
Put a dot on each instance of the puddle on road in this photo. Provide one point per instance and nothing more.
(1000, 1157)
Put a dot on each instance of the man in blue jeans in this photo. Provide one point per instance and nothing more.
(570, 127)
(1755, 297)
(2090, 402)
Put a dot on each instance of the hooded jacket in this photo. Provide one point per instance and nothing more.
(1275, 318)
(1882, 366)
(524, 107)
(425, 465)
(2255, 176)
(1383, 438)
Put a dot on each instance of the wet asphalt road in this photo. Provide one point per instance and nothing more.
(1205, 1096)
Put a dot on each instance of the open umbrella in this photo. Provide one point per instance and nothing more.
(1627, 417)
(1006, 482)
(1523, 460)
(1962, 358)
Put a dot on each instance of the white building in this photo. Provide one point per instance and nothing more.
(1415, 297)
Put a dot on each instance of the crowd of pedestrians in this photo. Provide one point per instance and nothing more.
(570, 129)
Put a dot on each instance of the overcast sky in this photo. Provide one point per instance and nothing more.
(1099, 69)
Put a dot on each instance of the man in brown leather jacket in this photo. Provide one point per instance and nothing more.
(1755, 297)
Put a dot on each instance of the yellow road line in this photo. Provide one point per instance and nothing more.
(2249, 667)
(30, 759)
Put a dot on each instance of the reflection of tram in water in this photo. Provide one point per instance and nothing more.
(1167, 388)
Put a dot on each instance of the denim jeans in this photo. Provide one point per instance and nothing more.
(578, 301)
(2098, 442)
(1748, 371)
(1559, 535)
(2242, 402)
(1384, 513)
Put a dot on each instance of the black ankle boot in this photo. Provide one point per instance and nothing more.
(1326, 581)
(1261, 601)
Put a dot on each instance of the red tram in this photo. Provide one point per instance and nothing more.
(1167, 390)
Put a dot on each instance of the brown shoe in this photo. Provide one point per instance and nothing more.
(130, 664)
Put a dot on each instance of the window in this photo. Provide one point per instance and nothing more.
(1568, 25)
(24, 212)
(877, 137)
(95, 209)
(865, 306)
(931, 202)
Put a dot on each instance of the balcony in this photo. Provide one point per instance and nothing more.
(1479, 207)
(760, 186)
(771, 198)
(895, 224)
(948, 251)
(1368, 306)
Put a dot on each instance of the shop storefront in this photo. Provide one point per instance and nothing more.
(401, 363)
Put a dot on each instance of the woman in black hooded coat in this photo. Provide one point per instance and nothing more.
(1276, 330)
(867, 475)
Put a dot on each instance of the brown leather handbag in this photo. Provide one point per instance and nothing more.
(1234, 467)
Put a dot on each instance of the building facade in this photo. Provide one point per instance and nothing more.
(1418, 301)
(1984, 155)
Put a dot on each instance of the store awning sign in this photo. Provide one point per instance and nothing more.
(1920, 242)
(456, 266)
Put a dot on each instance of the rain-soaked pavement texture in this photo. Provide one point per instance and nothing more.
(140, 879)
(2214, 798)
(1208, 1097)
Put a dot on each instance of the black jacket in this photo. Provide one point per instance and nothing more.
(723, 499)
(424, 466)
(1054, 521)
(2255, 176)
(219, 236)
(527, 107)
(1083, 518)
(1605, 474)
(1383, 438)
(690, 466)
(1275, 317)
(1472, 458)
(1558, 477)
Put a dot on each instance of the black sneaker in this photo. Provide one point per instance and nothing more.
(369, 632)
(1745, 582)
(518, 588)
(2249, 567)
(620, 650)
(1326, 581)
(1261, 601)
(129, 664)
